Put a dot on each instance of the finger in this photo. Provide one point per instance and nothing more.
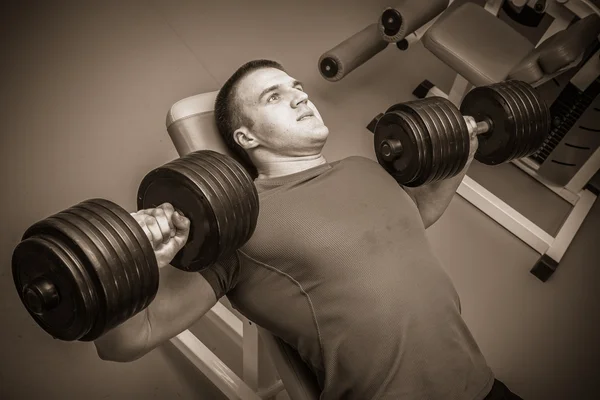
(142, 222)
(146, 211)
(164, 224)
(169, 210)
(152, 225)
(182, 224)
(168, 207)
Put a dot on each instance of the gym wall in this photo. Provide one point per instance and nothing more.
(85, 90)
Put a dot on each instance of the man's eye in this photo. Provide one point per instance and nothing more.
(273, 97)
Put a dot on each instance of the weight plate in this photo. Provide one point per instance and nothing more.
(542, 116)
(89, 226)
(434, 138)
(114, 232)
(234, 208)
(519, 114)
(393, 125)
(139, 267)
(539, 104)
(449, 143)
(428, 130)
(218, 201)
(91, 259)
(247, 190)
(178, 187)
(242, 205)
(460, 134)
(226, 211)
(535, 120)
(58, 297)
(245, 178)
(519, 118)
(438, 138)
(142, 246)
(530, 120)
(484, 102)
(425, 170)
(90, 292)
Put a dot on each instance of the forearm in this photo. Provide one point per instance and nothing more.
(127, 341)
(433, 199)
(182, 298)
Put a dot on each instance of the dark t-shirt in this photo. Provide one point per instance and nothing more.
(340, 268)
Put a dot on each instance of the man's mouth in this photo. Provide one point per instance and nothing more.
(305, 116)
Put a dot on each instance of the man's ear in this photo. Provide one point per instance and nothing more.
(244, 138)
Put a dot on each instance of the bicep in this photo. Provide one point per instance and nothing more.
(424, 210)
(412, 194)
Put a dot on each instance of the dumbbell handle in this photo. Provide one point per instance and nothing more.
(479, 128)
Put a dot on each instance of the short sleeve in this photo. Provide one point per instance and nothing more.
(223, 275)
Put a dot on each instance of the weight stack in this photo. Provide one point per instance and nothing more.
(574, 136)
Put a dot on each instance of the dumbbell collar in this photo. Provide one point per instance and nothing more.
(478, 128)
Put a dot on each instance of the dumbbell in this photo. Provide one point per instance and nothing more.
(85, 270)
(428, 140)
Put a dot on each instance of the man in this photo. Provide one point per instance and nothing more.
(339, 265)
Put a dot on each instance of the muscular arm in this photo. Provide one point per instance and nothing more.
(432, 200)
(182, 298)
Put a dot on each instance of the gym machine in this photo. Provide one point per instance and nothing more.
(568, 155)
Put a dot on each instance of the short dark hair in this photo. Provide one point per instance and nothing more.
(229, 114)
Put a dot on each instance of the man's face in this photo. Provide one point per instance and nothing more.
(285, 122)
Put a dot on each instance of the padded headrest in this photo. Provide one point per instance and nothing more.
(569, 45)
(192, 127)
(563, 50)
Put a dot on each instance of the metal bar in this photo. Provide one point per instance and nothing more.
(505, 215)
(415, 36)
(272, 390)
(213, 368)
(250, 355)
(571, 225)
(436, 92)
(459, 89)
(585, 173)
(227, 322)
(588, 73)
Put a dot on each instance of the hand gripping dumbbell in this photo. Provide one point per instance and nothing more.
(427, 140)
(87, 269)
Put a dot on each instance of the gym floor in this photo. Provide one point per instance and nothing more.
(85, 91)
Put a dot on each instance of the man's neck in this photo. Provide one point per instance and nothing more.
(283, 167)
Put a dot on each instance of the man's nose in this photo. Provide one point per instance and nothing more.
(300, 98)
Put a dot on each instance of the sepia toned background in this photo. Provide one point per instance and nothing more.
(85, 88)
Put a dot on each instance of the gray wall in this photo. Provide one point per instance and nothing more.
(85, 90)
